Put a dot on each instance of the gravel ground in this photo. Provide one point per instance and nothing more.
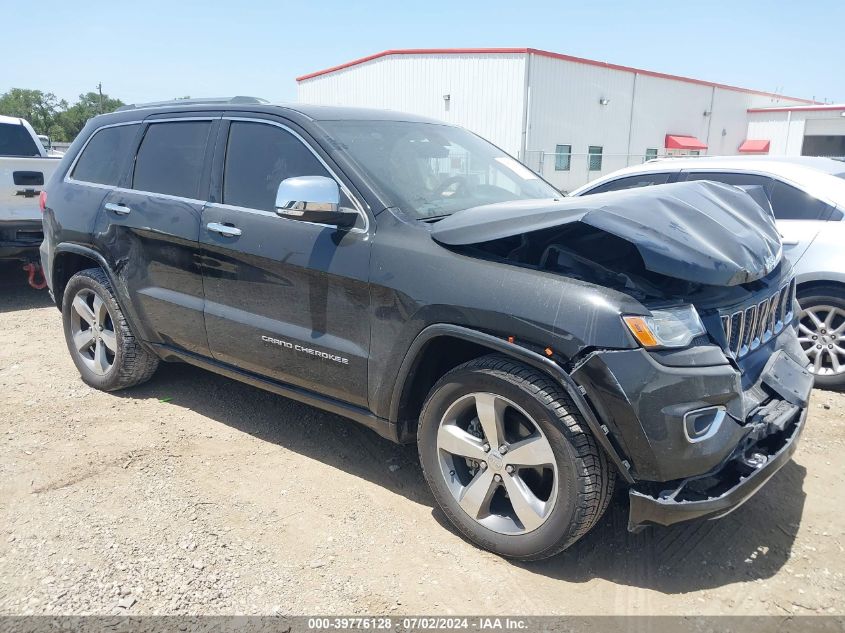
(196, 494)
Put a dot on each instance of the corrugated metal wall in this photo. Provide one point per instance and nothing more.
(487, 94)
(786, 130)
(485, 91)
(642, 109)
(565, 110)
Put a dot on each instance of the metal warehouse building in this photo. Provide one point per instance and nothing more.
(570, 119)
(808, 130)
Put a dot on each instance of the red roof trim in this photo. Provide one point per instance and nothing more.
(753, 146)
(807, 108)
(542, 53)
(679, 141)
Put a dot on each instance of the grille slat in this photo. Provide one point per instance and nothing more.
(748, 328)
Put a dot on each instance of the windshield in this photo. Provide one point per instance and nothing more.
(433, 170)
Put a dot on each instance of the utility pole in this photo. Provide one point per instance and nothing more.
(100, 90)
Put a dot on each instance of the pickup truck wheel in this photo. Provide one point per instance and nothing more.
(103, 348)
(510, 461)
(821, 332)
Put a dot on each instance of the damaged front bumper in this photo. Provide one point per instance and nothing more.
(714, 495)
(650, 406)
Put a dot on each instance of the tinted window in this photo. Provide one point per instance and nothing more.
(631, 182)
(105, 155)
(790, 203)
(16, 141)
(737, 180)
(258, 158)
(170, 158)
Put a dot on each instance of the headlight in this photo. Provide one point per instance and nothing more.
(671, 327)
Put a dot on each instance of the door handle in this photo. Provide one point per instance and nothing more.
(223, 229)
(789, 242)
(120, 209)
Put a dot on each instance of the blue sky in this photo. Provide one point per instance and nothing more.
(145, 51)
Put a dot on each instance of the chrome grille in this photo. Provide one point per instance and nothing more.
(748, 328)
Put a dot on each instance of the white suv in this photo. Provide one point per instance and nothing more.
(807, 196)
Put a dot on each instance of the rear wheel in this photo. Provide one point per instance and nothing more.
(509, 459)
(821, 332)
(103, 347)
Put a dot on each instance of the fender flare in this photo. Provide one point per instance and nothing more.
(541, 363)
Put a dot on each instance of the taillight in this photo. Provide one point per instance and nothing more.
(42, 201)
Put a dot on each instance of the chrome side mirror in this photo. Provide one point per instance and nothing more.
(313, 199)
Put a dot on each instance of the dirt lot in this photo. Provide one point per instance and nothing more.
(196, 494)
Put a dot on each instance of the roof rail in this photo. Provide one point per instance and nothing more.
(197, 101)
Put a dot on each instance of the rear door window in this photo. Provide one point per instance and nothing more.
(105, 155)
(790, 203)
(15, 140)
(632, 182)
(735, 179)
(171, 158)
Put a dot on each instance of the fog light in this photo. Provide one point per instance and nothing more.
(702, 424)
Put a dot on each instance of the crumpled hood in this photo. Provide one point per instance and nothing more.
(700, 231)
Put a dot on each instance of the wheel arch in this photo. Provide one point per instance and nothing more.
(804, 287)
(69, 259)
(441, 347)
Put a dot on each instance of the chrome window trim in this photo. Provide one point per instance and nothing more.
(273, 214)
(359, 207)
(152, 194)
(69, 179)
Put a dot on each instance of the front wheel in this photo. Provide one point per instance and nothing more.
(821, 332)
(510, 461)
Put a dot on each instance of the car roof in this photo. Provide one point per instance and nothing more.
(11, 119)
(823, 177)
(292, 110)
(775, 165)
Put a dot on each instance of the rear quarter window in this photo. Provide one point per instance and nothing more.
(735, 179)
(105, 155)
(15, 140)
(790, 203)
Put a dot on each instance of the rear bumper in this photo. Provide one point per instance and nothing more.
(20, 239)
(732, 484)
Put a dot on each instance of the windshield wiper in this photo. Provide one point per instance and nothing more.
(434, 218)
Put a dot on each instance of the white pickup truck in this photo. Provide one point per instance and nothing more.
(25, 167)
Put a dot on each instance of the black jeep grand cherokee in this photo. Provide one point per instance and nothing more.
(414, 278)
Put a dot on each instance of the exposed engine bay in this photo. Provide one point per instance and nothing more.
(662, 241)
(588, 254)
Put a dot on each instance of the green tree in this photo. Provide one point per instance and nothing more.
(73, 119)
(37, 107)
(51, 116)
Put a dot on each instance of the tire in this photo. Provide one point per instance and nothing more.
(128, 363)
(822, 302)
(584, 478)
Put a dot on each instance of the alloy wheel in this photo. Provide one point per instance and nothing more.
(92, 328)
(821, 332)
(497, 463)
